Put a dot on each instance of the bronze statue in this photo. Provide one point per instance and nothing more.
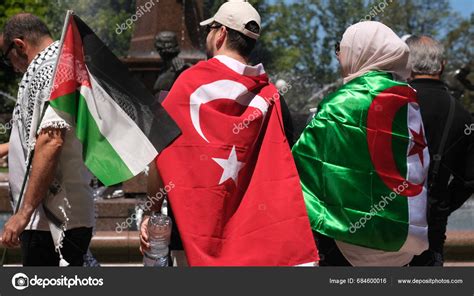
(462, 76)
(458, 81)
(168, 48)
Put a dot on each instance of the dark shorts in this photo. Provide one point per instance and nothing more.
(428, 258)
(37, 247)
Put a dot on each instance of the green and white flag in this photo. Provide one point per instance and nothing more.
(363, 163)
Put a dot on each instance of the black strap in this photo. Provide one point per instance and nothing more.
(438, 156)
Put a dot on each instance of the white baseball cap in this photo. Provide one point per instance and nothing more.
(236, 14)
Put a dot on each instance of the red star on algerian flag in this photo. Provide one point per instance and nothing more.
(419, 144)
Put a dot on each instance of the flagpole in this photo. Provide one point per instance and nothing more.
(69, 13)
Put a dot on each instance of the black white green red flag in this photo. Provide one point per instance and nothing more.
(116, 119)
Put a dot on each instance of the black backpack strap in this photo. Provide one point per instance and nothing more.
(438, 156)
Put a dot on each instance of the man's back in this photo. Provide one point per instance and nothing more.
(232, 163)
(54, 219)
(72, 178)
(434, 100)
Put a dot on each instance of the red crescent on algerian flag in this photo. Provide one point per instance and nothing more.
(381, 115)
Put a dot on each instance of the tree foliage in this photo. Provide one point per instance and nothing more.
(101, 15)
(298, 37)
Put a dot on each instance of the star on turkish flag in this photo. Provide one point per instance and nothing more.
(231, 166)
(419, 144)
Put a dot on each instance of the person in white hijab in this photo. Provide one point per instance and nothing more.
(374, 60)
(365, 47)
(370, 46)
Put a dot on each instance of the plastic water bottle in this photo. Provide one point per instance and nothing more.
(159, 235)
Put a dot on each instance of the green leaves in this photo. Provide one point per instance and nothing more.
(298, 37)
(101, 16)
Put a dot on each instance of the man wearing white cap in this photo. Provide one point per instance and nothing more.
(236, 196)
(232, 34)
(231, 20)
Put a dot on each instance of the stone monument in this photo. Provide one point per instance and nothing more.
(169, 25)
(173, 65)
(181, 17)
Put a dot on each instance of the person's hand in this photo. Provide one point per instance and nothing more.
(12, 230)
(144, 244)
(3, 147)
(178, 64)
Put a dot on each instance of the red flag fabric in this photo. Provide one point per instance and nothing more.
(237, 197)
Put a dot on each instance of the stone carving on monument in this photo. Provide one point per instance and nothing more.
(181, 17)
(173, 65)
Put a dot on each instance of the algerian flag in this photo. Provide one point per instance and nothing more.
(116, 120)
(363, 164)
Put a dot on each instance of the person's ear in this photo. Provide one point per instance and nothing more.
(221, 36)
(20, 45)
(443, 66)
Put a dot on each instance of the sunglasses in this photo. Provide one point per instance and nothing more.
(337, 48)
(4, 57)
(209, 28)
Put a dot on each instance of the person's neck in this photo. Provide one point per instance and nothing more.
(44, 43)
(433, 77)
(233, 55)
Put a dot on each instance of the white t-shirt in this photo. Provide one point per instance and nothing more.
(361, 256)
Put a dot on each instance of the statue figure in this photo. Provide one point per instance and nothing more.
(462, 75)
(168, 48)
(458, 81)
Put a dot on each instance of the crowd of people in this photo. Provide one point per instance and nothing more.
(382, 164)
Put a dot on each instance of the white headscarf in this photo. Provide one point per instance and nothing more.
(371, 46)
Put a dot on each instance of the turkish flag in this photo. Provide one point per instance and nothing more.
(236, 194)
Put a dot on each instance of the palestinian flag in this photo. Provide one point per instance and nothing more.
(363, 164)
(119, 125)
